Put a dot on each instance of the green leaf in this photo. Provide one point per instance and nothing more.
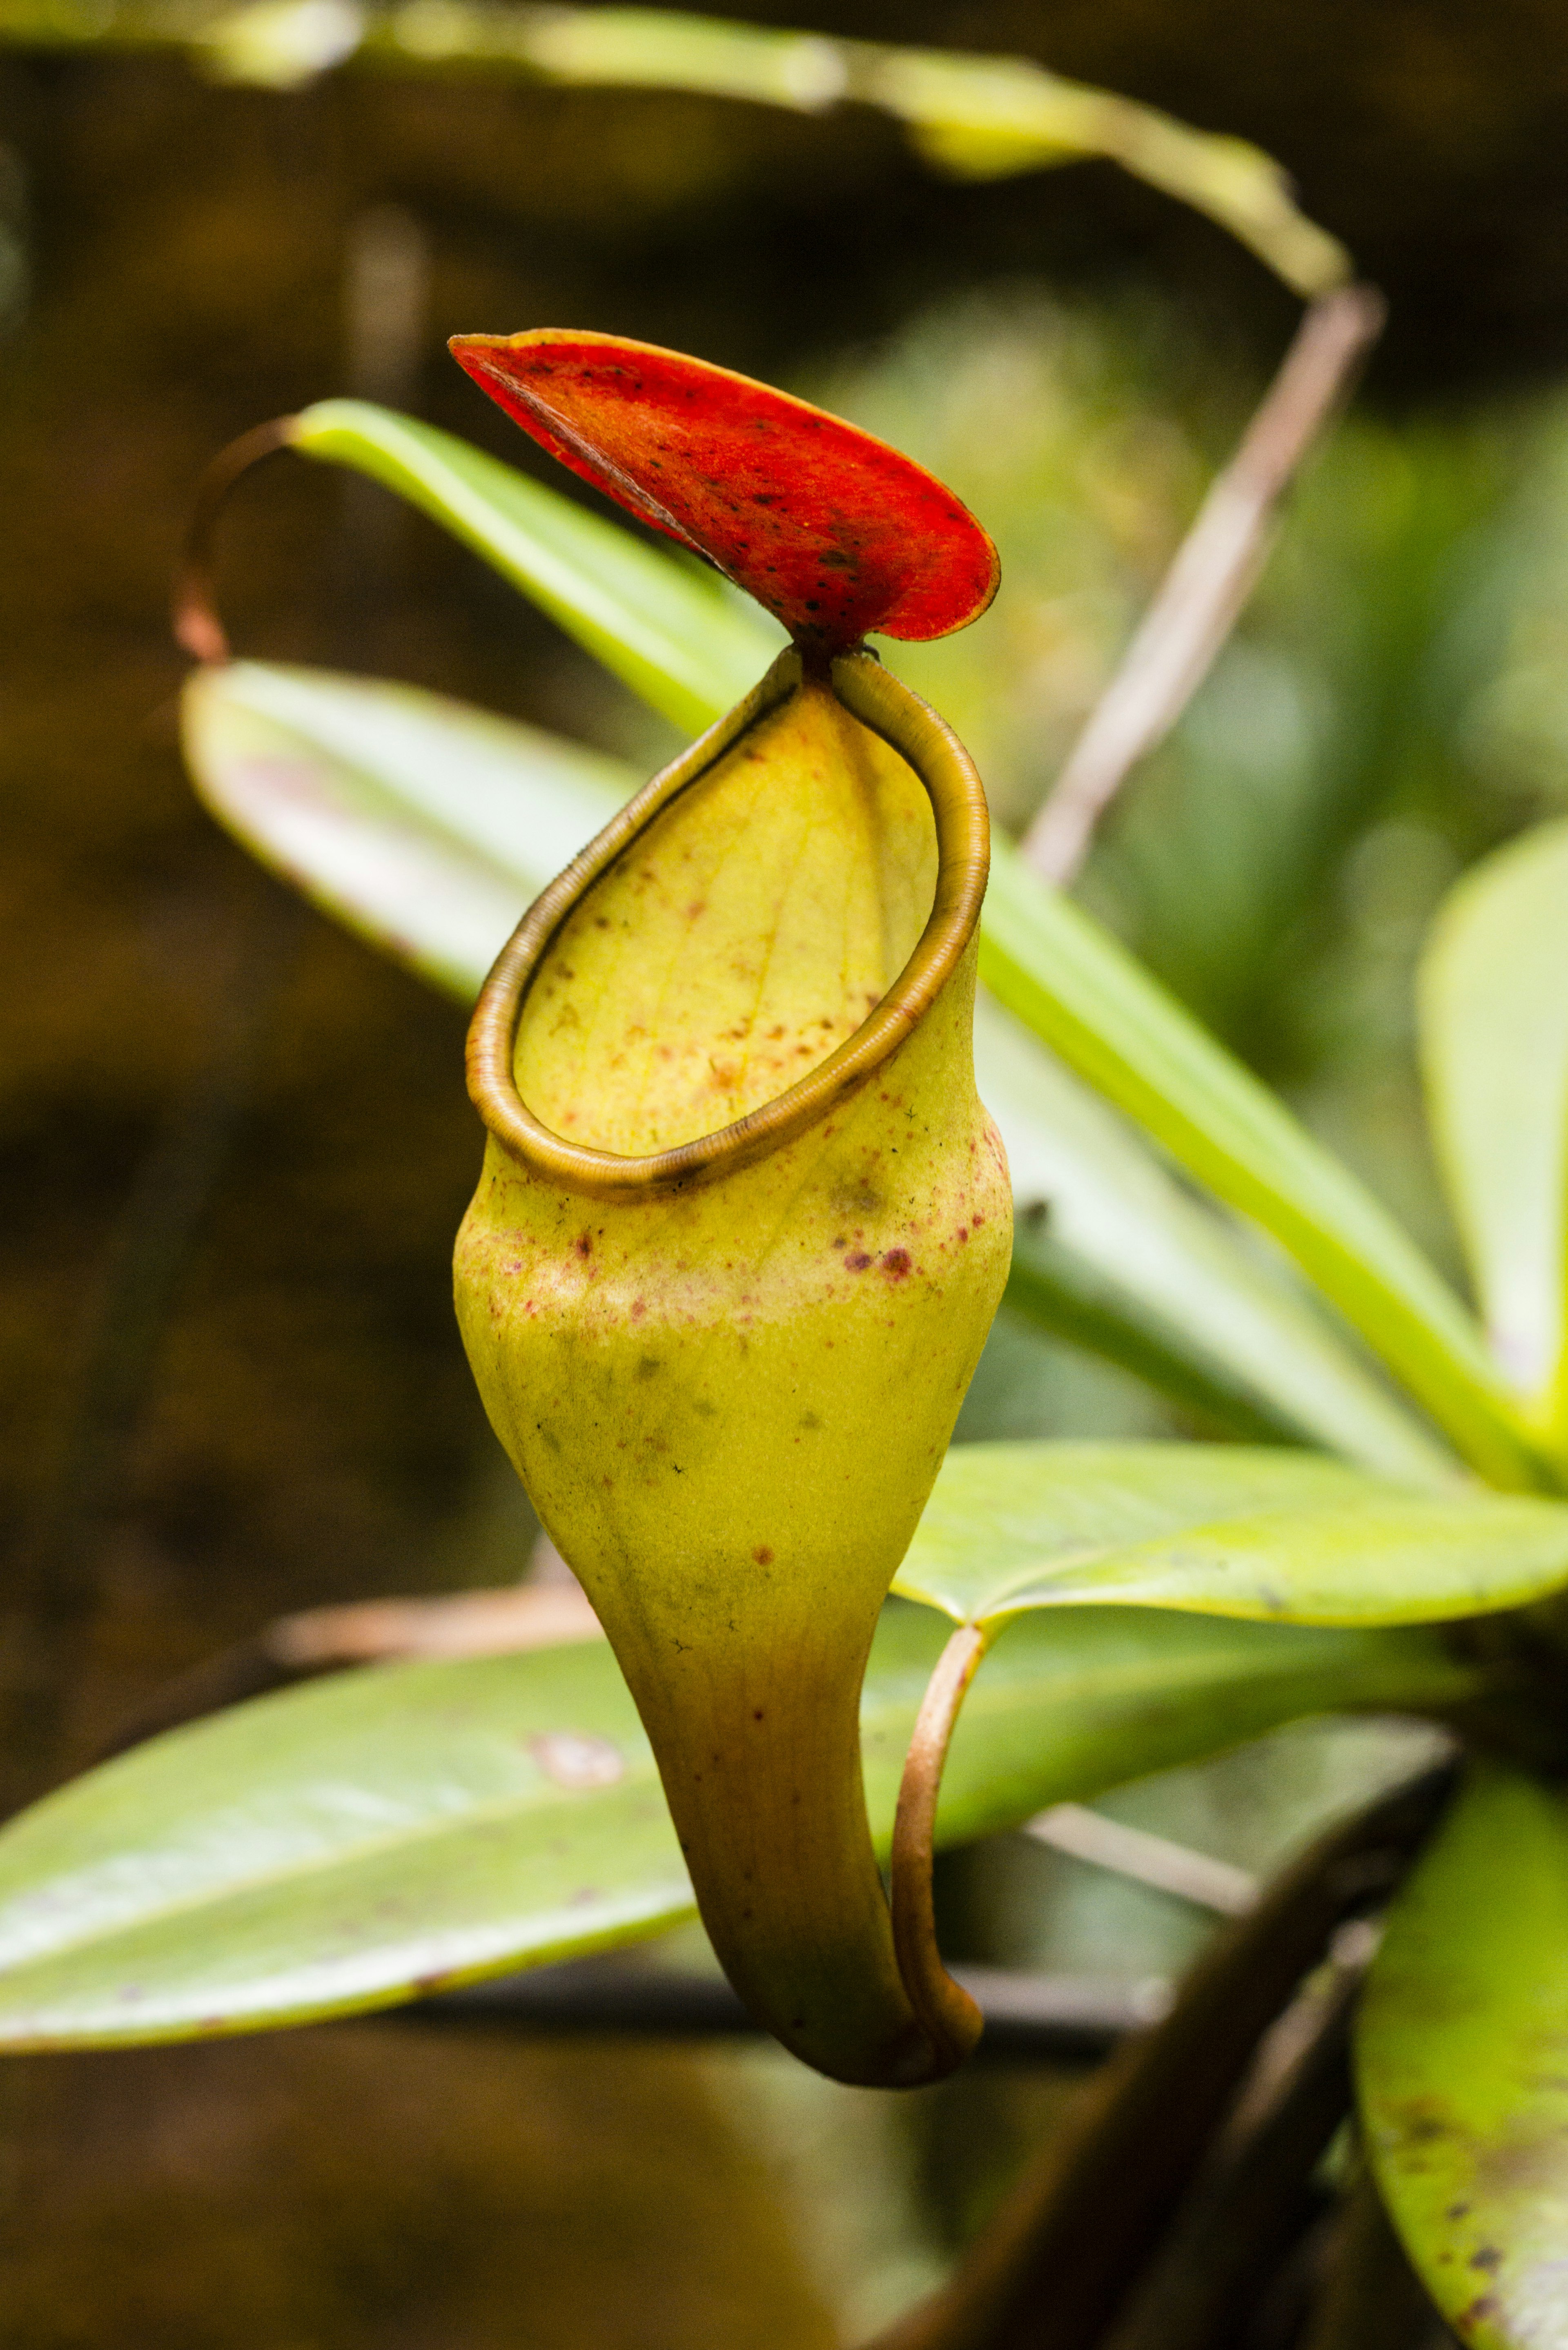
(1226, 1529)
(1493, 996)
(1110, 1250)
(424, 825)
(673, 631)
(976, 115)
(365, 1837)
(1463, 2064)
(1089, 999)
(427, 827)
(982, 118)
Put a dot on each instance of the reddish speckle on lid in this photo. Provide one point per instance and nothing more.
(829, 528)
(897, 1263)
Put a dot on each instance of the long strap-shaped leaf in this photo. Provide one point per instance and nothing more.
(1460, 2057)
(427, 827)
(977, 117)
(1226, 1529)
(1079, 989)
(673, 631)
(1048, 961)
(1493, 995)
(354, 1841)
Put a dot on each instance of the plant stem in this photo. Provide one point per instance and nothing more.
(1252, 2197)
(946, 2010)
(1216, 568)
(1059, 2261)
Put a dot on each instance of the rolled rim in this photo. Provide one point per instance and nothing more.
(885, 708)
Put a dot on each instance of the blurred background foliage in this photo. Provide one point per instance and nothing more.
(235, 1146)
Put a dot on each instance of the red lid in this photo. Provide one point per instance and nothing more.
(827, 526)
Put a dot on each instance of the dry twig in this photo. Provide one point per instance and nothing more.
(1203, 595)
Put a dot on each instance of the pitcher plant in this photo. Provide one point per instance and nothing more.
(744, 1222)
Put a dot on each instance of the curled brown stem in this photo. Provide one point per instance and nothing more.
(950, 2017)
(197, 628)
(1216, 568)
(1063, 2256)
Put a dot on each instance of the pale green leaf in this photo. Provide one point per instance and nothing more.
(973, 115)
(1226, 1530)
(1463, 2064)
(1093, 1003)
(424, 825)
(673, 631)
(428, 826)
(982, 117)
(1111, 1249)
(1493, 996)
(364, 1837)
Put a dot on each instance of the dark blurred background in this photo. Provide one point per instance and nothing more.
(234, 1145)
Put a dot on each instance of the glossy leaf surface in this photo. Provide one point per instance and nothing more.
(1092, 1002)
(359, 1840)
(1494, 1041)
(427, 827)
(830, 529)
(669, 629)
(1110, 1249)
(1226, 1529)
(1463, 2064)
(423, 824)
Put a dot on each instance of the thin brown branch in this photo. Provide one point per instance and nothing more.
(369, 1631)
(461, 1624)
(1065, 2251)
(197, 628)
(951, 2020)
(1252, 2199)
(1157, 1860)
(1203, 593)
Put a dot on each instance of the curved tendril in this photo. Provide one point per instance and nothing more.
(963, 846)
(197, 626)
(949, 2017)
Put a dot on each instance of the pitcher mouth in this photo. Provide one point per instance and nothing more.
(930, 748)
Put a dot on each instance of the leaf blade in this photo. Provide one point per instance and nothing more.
(423, 825)
(1223, 1529)
(1090, 1001)
(1492, 996)
(666, 628)
(1163, 1284)
(353, 1841)
(1458, 2056)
